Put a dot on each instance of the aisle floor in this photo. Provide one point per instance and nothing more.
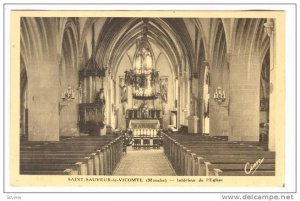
(151, 162)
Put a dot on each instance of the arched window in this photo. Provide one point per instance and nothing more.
(143, 59)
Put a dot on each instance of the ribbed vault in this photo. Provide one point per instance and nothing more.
(250, 37)
(170, 35)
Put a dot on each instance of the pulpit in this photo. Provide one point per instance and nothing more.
(92, 100)
(90, 118)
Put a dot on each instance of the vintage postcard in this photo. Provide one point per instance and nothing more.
(147, 98)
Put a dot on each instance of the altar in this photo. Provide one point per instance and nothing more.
(138, 119)
(144, 127)
(145, 133)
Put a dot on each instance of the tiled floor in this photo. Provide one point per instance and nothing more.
(142, 162)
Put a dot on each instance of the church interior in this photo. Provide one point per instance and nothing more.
(146, 96)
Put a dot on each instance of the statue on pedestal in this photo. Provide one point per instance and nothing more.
(123, 90)
(144, 110)
(100, 97)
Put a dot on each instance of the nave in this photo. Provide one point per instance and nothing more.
(193, 93)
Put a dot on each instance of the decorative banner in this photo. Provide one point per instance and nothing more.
(164, 89)
(123, 90)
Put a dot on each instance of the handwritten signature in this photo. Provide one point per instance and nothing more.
(252, 169)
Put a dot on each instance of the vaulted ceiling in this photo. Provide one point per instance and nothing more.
(119, 34)
(181, 39)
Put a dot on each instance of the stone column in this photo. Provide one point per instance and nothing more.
(176, 105)
(200, 95)
(68, 114)
(113, 104)
(109, 99)
(269, 29)
(244, 97)
(185, 98)
(193, 124)
(218, 115)
(43, 97)
(180, 104)
(218, 112)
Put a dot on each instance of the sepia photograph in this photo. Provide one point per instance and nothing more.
(148, 97)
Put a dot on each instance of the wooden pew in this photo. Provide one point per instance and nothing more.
(214, 156)
(87, 166)
(85, 157)
(232, 160)
(65, 172)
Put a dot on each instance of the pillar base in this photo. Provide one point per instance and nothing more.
(193, 124)
(102, 131)
(69, 132)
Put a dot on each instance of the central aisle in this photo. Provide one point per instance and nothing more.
(150, 162)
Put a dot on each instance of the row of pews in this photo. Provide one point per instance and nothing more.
(199, 155)
(84, 155)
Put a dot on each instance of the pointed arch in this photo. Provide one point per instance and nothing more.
(219, 46)
(69, 46)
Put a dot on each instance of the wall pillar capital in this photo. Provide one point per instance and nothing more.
(269, 27)
(204, 63)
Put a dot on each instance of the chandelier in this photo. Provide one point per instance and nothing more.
(143, 76)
